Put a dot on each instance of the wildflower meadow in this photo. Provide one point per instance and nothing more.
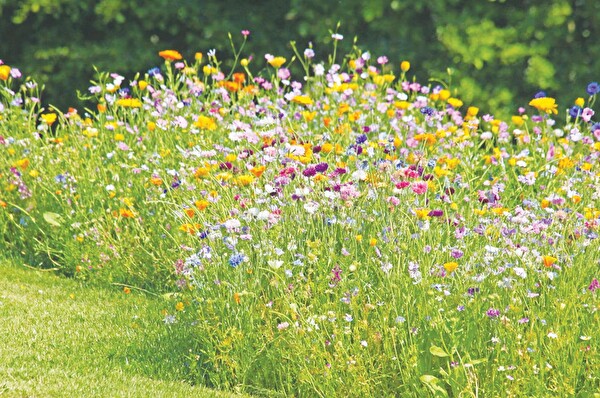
(341, 231)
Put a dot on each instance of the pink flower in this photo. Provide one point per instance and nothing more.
(587, 114)
(419, 187)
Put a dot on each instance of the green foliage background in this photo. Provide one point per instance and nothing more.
(500, 52)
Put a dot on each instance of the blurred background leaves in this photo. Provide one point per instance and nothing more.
(500, 53)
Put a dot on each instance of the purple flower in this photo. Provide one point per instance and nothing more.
(309, 171)
(435, 213)
(321, 167)
(594, 285)
(575, 111)
(593, 88)
(493, 313)
(540, 94)
(361, 138)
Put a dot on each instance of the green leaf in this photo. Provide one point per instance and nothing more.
(438, 351)
(53, 219)
(432, 382)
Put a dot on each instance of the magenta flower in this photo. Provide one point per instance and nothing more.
(419, 187)
(594, 285)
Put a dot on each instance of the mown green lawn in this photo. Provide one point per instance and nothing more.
(61, 339)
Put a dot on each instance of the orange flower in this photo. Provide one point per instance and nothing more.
(239, 77)
(170, 55)
(4, 72)
(237, 298)
(548, 261)
(125, 213)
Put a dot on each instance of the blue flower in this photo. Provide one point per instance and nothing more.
(540, 94)
(154, 71)
(236, 259)
(575, 111)
(593, 88)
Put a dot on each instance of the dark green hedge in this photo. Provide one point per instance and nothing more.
(500, 52)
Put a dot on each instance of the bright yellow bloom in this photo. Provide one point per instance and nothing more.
(170, 55)
(201, 204)
(404, 66)
(49, 118)
(455, 102)
(548, 261)
(302, 100)
(580, 102)
(451, 266)
(205, 123)
(276, 62)
(545, 104)
(142, 84)
(4, 72)
(129, 102)
(22, 163)
(372, 242)
(126, 213)
(179, 306)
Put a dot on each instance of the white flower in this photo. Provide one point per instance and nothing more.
(552, 335)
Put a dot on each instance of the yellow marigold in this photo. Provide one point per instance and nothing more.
(455, 102)
(129, 102)
(205, 123)
(4, 72)
(451, 266)
(545, 104)
(444, 95)
(170, 55)
(276, 62)
(302, 100)
(404, 66)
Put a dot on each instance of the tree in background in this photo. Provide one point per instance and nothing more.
(499, 53)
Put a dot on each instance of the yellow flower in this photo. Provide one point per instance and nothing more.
(129, 102)
(372, 242)
(4, 72)
(205, 123)
(48, 118)
(276, 62)
(125, 213)
(404, 66)
(580, 102)
(517, 120)
(455, 102)
(170, 55)
(179, 306)
(472, 111)
(302, 100)
(198, 56)
(548, 261)
(142, 84)
(545, 104)
(201, 204)
(422, 214)
(451, 266)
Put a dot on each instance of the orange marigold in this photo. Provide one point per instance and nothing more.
(170, 55)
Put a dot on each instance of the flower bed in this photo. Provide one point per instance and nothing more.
(346, 232)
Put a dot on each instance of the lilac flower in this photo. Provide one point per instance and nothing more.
(594, 285)
(493, 313)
